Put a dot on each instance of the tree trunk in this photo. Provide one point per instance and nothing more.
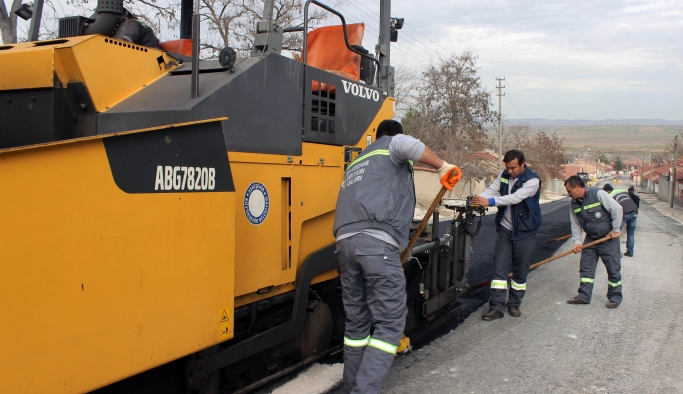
(8, 22)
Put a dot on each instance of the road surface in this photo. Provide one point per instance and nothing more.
(556, 347)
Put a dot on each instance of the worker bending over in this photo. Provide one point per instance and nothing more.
(599, 215)
(516, 192)
(630, 208)
(374, 210)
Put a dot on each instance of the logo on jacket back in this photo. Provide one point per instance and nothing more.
(360, 91)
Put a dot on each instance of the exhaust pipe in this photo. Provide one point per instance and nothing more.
(107, 16)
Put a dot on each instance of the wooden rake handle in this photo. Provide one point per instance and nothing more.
(540, 263)
(562, 238)
(455, 173)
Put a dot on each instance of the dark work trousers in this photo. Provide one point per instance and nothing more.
(610, 254)
(374, 296)
(510, 256)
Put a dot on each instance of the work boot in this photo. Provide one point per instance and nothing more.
(612, 305)
(514, 311)
(492, 314)
(576, 301)
(629, 254)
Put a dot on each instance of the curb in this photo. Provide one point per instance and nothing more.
(652, 201)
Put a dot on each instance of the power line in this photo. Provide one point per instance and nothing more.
(512, 91)
(398, 46)
(514, 104)
(410, 39)
(517, 110)
(481, 69)
(426, 53)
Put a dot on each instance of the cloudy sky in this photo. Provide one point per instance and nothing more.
(575, 59)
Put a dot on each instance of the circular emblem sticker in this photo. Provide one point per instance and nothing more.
(256, 203)
(597, 215)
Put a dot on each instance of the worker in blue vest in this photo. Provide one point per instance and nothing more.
(374, 210)
(516, 192)
(599, 215)
(630, 208)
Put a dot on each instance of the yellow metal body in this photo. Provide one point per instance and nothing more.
(262, 257)
(96, 284)
(128, 68)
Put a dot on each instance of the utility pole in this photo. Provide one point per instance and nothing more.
(652, 184)
(386, 71)
(673, 179)
(500, 123)
(34, 27)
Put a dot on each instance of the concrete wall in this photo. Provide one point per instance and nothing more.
(427, 186)
(556, 186)
(663, 191)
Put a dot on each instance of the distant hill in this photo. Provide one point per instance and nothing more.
(605, 122)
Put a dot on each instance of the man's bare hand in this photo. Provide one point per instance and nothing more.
(615, 234)
(481, 201)
(577, 248)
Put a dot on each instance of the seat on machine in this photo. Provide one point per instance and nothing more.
(182, 46)
(327, 51)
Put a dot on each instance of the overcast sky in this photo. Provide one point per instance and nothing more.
(577, 59)
(561, 59)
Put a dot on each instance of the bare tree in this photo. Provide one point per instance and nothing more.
(546, 153)
(450, 110)
(233, 22)
(8, 21)
(227, 22)
(406, 83)
(160, 15)
(669, 146)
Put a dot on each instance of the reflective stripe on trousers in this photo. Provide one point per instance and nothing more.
(381, 345)
(610, 255)
(356, 342)
(374, 342)
(517, 286)
(499, 284)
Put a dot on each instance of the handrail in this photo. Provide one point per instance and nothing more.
(346, 37)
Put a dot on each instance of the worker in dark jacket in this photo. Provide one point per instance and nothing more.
(599, 215)
(634, 196)
(630, 208)
(137, 32)
(374, 210)
(516, 192)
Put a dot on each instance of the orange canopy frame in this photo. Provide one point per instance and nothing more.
(327, 50)
(182, 46)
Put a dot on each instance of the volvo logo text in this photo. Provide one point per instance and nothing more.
(360, 91)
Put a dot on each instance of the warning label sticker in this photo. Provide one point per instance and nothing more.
(224, 325)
